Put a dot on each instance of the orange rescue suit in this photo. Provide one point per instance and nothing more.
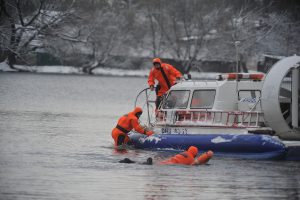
(171, 73)
(188, 157)
(185, 158)
(126, 123)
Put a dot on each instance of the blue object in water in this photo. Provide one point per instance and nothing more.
(251, 146)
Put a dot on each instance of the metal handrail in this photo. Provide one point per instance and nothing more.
(227, 118)
(140, 94)
(147, 103)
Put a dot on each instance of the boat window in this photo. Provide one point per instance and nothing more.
(203, 99)
(177, 99)
(249, 96)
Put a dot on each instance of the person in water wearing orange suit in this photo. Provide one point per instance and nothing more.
(166, 75)
(189, 157)
(125, 124)
(185, 158)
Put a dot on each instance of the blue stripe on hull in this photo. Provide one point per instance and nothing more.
(239, 145)
(293, 153)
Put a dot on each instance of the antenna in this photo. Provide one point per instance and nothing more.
(237, 43)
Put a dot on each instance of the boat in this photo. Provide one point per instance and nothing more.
(245, 115)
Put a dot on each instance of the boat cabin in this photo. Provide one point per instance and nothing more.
(225, 102)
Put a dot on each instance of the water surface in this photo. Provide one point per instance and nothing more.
(55, 143)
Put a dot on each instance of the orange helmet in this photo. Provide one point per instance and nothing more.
(193, 150)
(156, 60)
(137, 111)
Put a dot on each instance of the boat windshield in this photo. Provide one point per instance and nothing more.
(203, 99)
(177, 99)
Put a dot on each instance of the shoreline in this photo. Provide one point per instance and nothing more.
(113, 72)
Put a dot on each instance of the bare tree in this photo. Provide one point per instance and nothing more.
(184, 30)
(24, 21)
(252, 26)
(105, 31)
(180, 29)
(283, 37)
(154, 15)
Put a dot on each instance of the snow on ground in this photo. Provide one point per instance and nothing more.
(121, 72)
(98, 71)
(52, 69)
(5, 67)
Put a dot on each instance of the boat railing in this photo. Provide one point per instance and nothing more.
(246, 119)
(150, 104)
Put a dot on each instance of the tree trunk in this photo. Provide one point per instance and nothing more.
(88, 69)
(12, 44)
(11, 59)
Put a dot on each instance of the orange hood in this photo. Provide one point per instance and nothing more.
(137, 110)
(193, 150)
(156, 60)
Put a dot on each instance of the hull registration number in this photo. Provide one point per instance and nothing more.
(168, 130)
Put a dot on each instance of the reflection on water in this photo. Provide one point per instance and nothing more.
(55, 143)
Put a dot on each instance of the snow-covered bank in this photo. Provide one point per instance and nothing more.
(98, 71)
(4, 67)
(40, 69)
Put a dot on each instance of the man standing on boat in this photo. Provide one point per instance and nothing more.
(125, 124)
(166, 75)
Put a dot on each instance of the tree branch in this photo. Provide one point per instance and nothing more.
(3, 8)
(19, 12)
(36, 15)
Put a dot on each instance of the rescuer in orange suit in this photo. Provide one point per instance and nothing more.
(185, 158)
(189, 157)
(166, 75)
(125, 124)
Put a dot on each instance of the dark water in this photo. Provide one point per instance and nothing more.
(55, 143)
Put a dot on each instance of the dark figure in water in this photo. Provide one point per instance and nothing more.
(149, 161)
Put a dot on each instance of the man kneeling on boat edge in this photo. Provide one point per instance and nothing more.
(184, 158)
(125, 124)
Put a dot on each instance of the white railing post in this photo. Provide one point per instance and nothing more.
(257, 117)
(250, 117)
(242, 120)
(295, 96)
(213, 118)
